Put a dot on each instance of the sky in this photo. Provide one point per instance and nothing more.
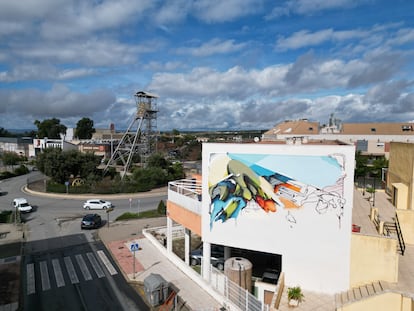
(215, 65)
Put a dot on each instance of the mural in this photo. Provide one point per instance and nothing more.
(265, 184)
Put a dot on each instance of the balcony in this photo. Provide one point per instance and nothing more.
(186, 193)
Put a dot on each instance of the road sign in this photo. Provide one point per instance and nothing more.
(134, 247)
(109, 209)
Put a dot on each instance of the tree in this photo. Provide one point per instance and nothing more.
(5, 133)
(61, 165)
(84, 128)
(11, 158)
(361, 163)
(50, 128)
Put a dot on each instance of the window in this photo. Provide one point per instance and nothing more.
(373, 129)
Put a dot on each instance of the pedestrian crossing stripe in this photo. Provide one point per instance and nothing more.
(57, 269)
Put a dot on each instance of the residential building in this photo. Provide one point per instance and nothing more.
(372, 139)
(293, 208)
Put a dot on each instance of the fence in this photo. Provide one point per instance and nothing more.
(239, 296)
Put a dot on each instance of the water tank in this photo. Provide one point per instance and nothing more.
(239, 271)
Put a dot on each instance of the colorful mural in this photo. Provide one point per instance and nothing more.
(267, 183)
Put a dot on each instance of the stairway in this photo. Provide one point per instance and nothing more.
(393, 229)
(360, 293)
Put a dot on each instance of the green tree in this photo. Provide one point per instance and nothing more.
(157, 160)
(50, 128)
(84, 128)
(361, 162)
(5, 133)
(11, 158)
(61, 165)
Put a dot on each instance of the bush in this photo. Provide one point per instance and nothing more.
(21, 170)
(162, 209)
(7, 174)
(5, 216)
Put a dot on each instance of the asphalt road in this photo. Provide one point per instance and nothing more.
(64, 267)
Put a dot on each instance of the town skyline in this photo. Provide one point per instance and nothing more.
(218, 66)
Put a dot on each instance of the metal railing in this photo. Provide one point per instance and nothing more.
(399, 234)
(234, 293)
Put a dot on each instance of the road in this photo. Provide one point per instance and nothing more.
(64, 267)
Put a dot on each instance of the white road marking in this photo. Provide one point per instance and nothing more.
(84, 269)
(60, 281)
(71, 270)
(44, 275)
(106, 262)
(31, 285)
(95, 265)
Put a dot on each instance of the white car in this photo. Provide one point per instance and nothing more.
(97, 204)
(22, 205)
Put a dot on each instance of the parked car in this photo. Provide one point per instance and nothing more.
(22, 205)
(216, 256)
(91, 221)
(97, 204)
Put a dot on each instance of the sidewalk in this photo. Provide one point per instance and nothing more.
(148, 259)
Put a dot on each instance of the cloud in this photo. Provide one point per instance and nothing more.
(212, 47)
(309, 7)
(216, 11)
(305, 38)
(58, 102)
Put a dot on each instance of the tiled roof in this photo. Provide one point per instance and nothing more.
(296, 127)
(378, 128)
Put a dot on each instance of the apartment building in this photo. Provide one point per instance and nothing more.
(297, 205)
(372, 139)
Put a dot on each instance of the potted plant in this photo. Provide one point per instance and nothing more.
(295, 296)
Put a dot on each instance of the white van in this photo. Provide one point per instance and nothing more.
(22, 205)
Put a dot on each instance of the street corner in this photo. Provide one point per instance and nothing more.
(125, 258)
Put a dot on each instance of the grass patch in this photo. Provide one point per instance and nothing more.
(140, 215)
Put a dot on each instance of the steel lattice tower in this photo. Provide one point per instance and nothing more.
(140, 137)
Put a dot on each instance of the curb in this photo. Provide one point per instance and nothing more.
(151, 193)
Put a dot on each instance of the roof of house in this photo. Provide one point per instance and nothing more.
(378, 128)
(299, 127)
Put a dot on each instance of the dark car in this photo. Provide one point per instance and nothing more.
(217, 256)
(91, 221)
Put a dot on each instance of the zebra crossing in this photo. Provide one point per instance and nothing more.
(77, 268)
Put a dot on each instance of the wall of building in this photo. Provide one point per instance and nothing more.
(373, 258)
(185, 217)
(384, 302)
(292, 200)
(406, 220)
(401, 167)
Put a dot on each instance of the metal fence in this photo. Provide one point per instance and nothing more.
(237, 295)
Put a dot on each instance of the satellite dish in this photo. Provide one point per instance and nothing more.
(256, 139)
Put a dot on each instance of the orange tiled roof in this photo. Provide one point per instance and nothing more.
(295, 127)
(378, 128)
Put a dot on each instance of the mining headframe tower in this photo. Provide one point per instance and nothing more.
(140, 138)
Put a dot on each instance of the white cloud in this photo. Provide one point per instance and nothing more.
(212, 11)
(308, 7)
(214, 46)
(306, 38)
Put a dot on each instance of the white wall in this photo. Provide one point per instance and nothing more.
(313, 237)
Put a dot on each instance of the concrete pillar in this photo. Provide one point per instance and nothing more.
(227, 252)
(187, 245)
(205, 263)
(374, 213)
(381, 228)
(169, 234)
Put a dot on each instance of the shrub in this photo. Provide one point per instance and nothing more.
(162, 209)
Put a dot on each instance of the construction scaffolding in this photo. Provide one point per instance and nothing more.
(140, 138)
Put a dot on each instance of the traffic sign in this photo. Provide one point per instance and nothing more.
(134, 247)
(109, 209)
